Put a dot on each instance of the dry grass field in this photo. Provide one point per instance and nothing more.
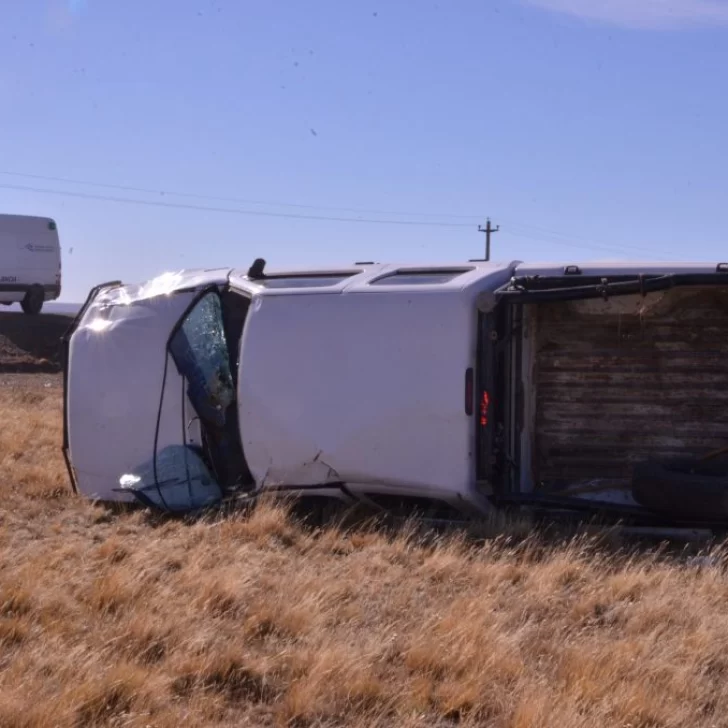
(126, 620)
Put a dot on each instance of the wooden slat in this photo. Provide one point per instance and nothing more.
(614, 388)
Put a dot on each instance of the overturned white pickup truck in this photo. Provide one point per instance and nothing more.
(577, 388)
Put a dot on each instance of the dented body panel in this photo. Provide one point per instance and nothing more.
(369, 390)
(117, 377)
(362, 385)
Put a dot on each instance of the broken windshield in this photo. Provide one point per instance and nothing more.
(200, 351)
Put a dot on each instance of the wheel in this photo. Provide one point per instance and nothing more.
(33, 301)
(684, 488)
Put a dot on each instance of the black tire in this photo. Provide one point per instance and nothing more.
(33, 302)
(683, 488)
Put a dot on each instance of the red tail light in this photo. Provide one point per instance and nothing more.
(484, 407)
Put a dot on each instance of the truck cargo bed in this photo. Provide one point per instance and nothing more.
(617, 381)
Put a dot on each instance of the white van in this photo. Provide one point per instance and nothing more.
(30, 261)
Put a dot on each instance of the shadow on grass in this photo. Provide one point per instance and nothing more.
(527, 536)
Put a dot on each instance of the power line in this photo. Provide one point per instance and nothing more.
(232, 210)
(554, 236)
(593, 246)
(560, 238)
(240, 200)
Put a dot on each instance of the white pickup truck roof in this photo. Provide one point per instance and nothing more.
(446, 277)
(373, 278)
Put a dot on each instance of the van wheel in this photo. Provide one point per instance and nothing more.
(33, 301)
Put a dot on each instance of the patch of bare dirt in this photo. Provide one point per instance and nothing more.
(31, 344)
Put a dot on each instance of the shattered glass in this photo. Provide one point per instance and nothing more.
(200, 352)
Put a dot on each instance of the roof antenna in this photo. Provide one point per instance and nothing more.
(255, 271)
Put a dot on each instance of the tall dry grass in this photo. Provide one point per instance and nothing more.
(123, 620)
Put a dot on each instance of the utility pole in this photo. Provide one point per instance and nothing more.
(488, 230)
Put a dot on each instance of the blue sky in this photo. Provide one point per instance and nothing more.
(587, 130)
